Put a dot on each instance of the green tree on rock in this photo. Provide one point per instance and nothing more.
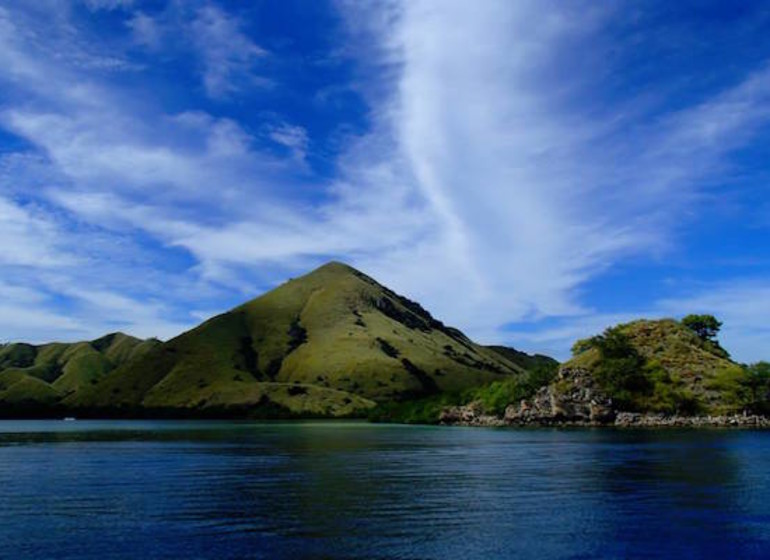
(706, 327)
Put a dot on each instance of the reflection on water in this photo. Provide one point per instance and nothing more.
(321, 490)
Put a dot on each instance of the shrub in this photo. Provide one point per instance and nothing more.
(733, 385)
(620, 373)
(582, 345)
(669, 395)
(496, 396)
(757, 383)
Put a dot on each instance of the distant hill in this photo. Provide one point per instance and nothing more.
(38, 376)
(331, 343)
(524, 360)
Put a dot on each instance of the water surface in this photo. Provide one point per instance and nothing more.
(120, 489)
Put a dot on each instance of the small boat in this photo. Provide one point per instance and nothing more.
(69, 418)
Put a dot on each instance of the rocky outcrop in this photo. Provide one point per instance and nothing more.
(574, 400)
(574, 397)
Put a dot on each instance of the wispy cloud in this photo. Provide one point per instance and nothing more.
(531, 197)
(102, 171)
(493, 180)
(227, 59)
(228, 56)
(29, 238)
(292, 137)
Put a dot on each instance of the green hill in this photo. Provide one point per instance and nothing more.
(41, 376)
(336, 343)
(660, 366)
(645, 366)
(331, 343)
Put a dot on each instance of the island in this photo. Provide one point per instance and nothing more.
(335, 343)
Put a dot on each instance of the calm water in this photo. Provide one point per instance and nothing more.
(143, 490)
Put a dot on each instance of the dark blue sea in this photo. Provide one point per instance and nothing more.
(220, 490)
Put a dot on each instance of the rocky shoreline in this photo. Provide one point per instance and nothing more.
(580, 403)
(470, 415)
(629, 419)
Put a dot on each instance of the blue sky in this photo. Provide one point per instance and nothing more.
(532, 172)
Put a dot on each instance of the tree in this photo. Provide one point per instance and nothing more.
(705, 326)
(620, 373)
(758, 382)
(744, 387)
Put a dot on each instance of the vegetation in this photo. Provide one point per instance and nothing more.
(744, 387)
(37, 377)
(707, 328)
(621, 370)
(331, 343)
(495, 397)
(417, 411)
(492, 398)
(336, 343)
(673, 367)
(633, 378)
(757, 382)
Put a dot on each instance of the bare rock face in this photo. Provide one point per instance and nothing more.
(572, 398)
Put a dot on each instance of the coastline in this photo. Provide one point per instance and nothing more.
(467, 416)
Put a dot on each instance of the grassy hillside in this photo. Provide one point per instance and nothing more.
(333, 342)
(336, 343)
(663, 366)
(43, 375)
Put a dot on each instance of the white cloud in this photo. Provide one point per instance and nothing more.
(37, 316)
(488, 188)
(227, 58)
(109, 311)
(293, 137)
(29, 238)
(35, 324)
(529, 197)
(227, 54)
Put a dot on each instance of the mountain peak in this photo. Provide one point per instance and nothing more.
(336, 268)
(337, 265)
(328, 343)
